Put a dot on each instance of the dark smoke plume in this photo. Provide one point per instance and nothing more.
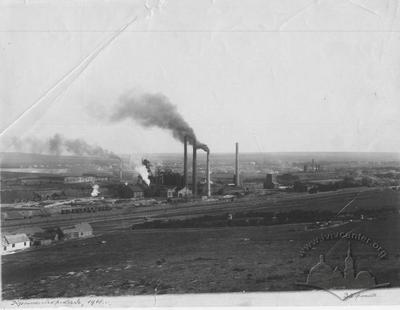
(155, 110)
(59, 145)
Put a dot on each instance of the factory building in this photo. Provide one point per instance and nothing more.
(86, 178)
(79, 179)
(127, 190)
(168, 183)
(252, 186)
(167, 192)
(269, 182)
(16, 214)
(137, 191)
(312, 167)
(40, 180)
(184, 192)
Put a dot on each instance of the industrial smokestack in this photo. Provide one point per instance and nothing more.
(120, 169)
(237, 181)
(185, 161)
(194, 170)
(208, 174)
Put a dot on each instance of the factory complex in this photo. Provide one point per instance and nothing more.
(51, 194)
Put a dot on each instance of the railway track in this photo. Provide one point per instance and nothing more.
(138, 214)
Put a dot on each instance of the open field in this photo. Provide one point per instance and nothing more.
(119, 261)
(191, 261)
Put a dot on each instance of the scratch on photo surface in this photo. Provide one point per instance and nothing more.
(362, 7)
(297, 13)
(72, 75)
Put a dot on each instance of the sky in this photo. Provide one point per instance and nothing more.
(273, 75)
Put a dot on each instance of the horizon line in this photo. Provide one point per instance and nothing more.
(232, 152)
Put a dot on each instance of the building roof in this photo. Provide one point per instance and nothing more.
(223, 176)
(34, 176)
(84, 227)
(13, 215)
(17, 238)
(252, 182)
(44, 235)
(255, 179)
(29, 230)
(136, 188)
(184, 189)
(167, 188)
(81, 227)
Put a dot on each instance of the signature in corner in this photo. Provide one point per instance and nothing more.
(92, 302)
(346, 295)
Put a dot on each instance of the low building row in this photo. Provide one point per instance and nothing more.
(39, 237)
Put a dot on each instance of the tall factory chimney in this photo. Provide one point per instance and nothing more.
(208, 174)
(185, 162)
(237, 181)
(120, 169)
(194, 170)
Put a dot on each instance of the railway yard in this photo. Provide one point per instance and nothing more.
(126, 213)
(126, 257)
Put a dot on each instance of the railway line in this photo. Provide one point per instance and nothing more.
(128, 215)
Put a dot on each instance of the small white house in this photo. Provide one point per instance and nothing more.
(11, 243)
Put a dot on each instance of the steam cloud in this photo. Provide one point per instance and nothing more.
(142, 170)
(155, 110)
(95, 191)
(58, 145)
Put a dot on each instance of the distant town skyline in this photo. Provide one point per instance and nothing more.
(304, 76)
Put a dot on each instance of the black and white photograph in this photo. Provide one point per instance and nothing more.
(175, 153)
